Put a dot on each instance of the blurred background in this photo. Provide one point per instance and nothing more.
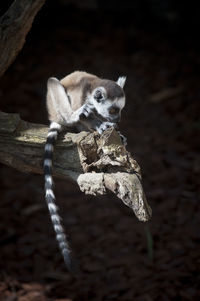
(156, 45)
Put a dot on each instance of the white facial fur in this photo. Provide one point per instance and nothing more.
(105, 104)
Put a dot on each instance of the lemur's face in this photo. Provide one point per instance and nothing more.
(108, 108)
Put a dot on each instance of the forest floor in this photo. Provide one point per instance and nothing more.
(161, 122)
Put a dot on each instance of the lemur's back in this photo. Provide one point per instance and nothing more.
(76, 84)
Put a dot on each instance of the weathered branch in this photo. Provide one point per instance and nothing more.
(14, 26)
(97, 164)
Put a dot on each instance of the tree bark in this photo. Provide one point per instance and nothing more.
(97, 163)
(14, 26)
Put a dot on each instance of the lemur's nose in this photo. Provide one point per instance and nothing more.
(114, 110)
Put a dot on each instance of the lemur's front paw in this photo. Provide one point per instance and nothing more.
(104, 126)
(123, 138)
(85, 111)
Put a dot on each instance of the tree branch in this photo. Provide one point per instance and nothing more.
(97, 163)
(14, 26)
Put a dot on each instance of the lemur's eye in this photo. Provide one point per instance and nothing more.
(114, 110)
(98, 95)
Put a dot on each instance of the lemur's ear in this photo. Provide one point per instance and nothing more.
(121, 81)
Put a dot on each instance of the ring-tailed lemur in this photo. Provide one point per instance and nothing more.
(84, 101)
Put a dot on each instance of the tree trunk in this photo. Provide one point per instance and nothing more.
(14, 26)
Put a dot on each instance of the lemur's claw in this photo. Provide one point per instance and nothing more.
(104, 126)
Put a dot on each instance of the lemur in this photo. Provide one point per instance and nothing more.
(86, 102)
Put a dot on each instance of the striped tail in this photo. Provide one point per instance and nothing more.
(49, 195)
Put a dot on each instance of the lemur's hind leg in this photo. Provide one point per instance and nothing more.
(59, 106)
(58, 103)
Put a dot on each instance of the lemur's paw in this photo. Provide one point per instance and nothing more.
(104, 126)
(123, 138)
(85, 111)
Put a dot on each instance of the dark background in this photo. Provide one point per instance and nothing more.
(156, 45)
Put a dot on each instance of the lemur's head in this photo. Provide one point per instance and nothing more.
(109, 99)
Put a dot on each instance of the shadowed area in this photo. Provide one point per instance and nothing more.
(119, 258)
